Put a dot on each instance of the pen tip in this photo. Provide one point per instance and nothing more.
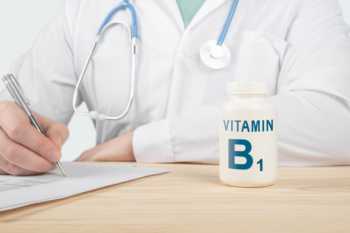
(63, 173)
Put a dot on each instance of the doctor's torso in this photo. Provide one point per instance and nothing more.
(300, 49)
(171, 79)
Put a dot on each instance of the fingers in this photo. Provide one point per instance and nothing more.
(83, 157)
(115, 150)
(89, 155)
(7, 168)
(57, 132)
(21, 156)
(18, 129)
(23, 149)
(33, 139)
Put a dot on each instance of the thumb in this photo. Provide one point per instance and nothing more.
(58, 133)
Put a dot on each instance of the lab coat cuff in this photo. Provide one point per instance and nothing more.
(152, 143)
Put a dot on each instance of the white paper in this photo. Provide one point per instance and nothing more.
(18, 192)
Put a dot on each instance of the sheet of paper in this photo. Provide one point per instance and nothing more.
(17, 192)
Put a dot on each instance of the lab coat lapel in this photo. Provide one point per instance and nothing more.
(208, 7)
(172, 9)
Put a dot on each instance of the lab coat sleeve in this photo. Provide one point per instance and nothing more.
(314, 88)
(312, 101)
(191, 137)
(46, 72)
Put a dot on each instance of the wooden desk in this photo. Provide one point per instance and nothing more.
(191, 199)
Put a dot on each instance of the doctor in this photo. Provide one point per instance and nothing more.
(187, 52)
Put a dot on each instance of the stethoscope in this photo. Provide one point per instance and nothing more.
(214, 53)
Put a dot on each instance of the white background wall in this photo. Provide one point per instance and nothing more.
(21, 20)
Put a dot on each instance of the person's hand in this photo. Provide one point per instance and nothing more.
(23, 150)
(117, 150)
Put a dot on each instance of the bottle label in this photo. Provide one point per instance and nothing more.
(248, 148)
(235, 146)
(252, 126)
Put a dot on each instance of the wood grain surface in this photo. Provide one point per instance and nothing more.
(191, 199)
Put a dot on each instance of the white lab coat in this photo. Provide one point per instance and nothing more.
(299, 48)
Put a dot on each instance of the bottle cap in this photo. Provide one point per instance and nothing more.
(247, 88)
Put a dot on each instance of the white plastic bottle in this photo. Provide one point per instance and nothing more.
(248, 142)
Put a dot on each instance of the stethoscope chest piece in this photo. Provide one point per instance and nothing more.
(215, 56)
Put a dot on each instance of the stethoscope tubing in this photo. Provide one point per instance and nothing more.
(228, 22)
(134, 36)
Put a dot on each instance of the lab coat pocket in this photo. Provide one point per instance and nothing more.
(259, 58)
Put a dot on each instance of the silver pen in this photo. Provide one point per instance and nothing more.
(15, 90)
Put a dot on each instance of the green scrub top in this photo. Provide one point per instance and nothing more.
(189, 9)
